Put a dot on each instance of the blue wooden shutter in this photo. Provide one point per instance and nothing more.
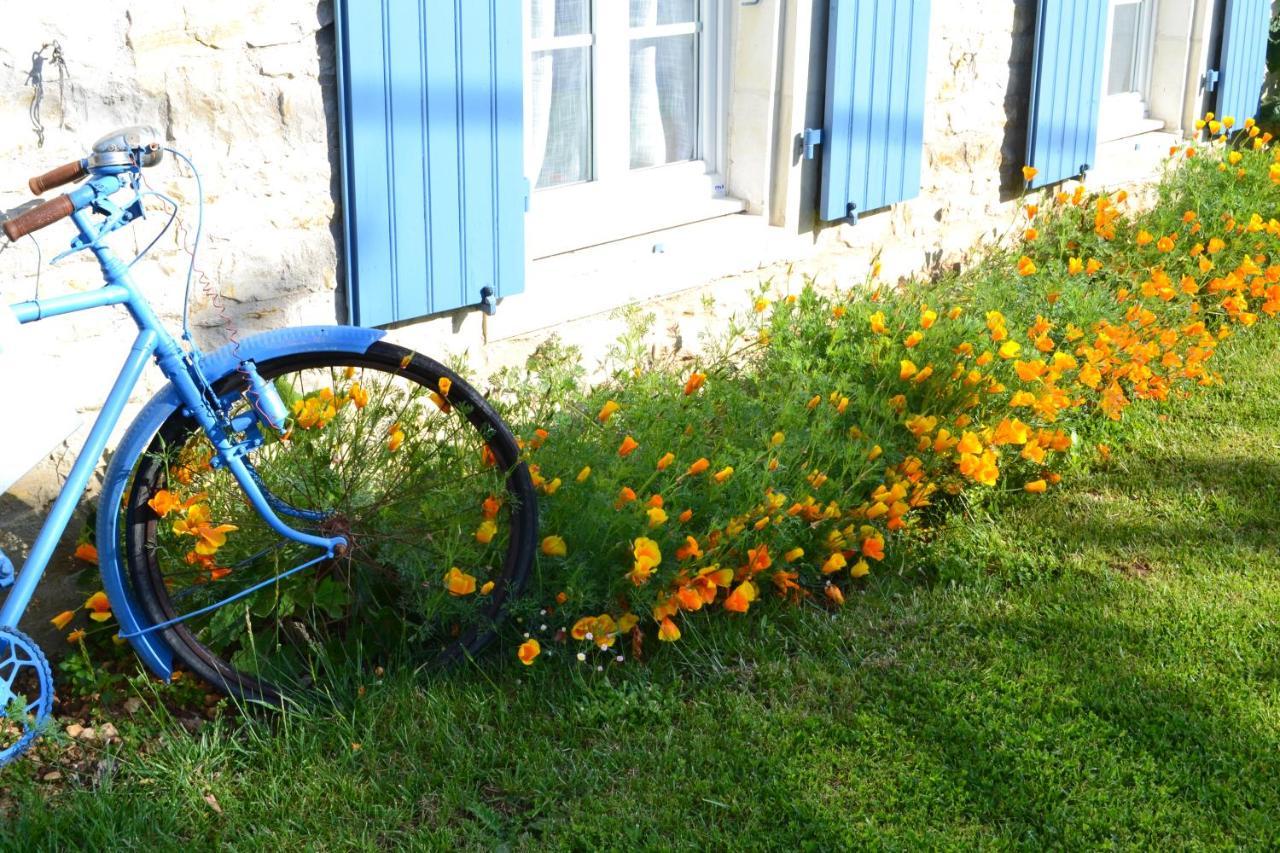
(873, 129)
(431, 104)
(1066, 87)
(1242, 63)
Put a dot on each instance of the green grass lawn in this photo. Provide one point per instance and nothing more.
(1092, 667)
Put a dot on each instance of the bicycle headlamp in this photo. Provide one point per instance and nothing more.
(141, 145)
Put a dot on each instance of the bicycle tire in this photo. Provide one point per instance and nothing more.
(454, 428)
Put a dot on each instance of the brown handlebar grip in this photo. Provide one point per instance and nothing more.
(64, 174)
(38, 217)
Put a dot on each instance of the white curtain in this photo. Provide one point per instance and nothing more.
(542, 23)
(663, 87)
(559, 92)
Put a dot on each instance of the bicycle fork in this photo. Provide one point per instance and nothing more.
(268, 411)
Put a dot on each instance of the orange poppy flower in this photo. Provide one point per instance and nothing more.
(529, 651)
(606, 411)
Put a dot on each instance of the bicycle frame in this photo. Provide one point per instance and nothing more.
(180, 367)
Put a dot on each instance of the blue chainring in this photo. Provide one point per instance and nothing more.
(26, 693)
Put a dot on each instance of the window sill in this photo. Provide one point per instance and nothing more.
(565, 219)
(1131, 160)
(606, 277)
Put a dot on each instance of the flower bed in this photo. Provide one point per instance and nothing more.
(798, 454)
(823, 430)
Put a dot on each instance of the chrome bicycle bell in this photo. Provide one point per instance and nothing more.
(140, 144)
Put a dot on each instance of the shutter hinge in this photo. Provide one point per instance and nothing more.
(851, 213)
(488, 301)
(1210, 79)
(812, 138)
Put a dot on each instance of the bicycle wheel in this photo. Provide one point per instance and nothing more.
(387, 448)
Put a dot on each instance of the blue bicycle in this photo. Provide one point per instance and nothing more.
(303, 497)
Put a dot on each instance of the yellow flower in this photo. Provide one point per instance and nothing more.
(793, 555)
(487, 588)
(1036, 486)
(874, 453)
(699, 466)
(196, 523)
(359, 396)
(666, 460)
(860, 569)
(813, 402)
(396, 438)
(913, 339)
(86, 552)
(877, 323)
(741, 597)
(647, 557)
(485, 532)
(627, 447)
(583, 474)
(667, 631)
(1074, 266)
(723, 474)
(529, 650)
(63, 619)
(696, 380)
(833, 592)
(1092, 266)
(1029, 172)
(606, 411)
(1026, 266)
(166, 502)
(906, 368)
(100, 606)
(554, 546)
(76, 636)
(776, 439)
(1010, 349)
(834, 563)
(458, 582)
(657, 516)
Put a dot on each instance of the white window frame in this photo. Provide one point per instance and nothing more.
(620, 201)
(1125, 113)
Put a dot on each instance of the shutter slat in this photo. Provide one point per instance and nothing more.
(432, 134)
(873, 128)
(1066, 88)
(1245, 30)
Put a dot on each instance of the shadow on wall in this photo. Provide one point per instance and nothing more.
(327, 55)
(1017, 99)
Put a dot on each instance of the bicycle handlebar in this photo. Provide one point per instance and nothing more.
(38, 217)
(59, 175)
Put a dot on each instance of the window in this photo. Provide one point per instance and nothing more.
(622, 130)
(1127, 69)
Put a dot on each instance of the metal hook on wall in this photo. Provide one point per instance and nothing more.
(35, 78)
